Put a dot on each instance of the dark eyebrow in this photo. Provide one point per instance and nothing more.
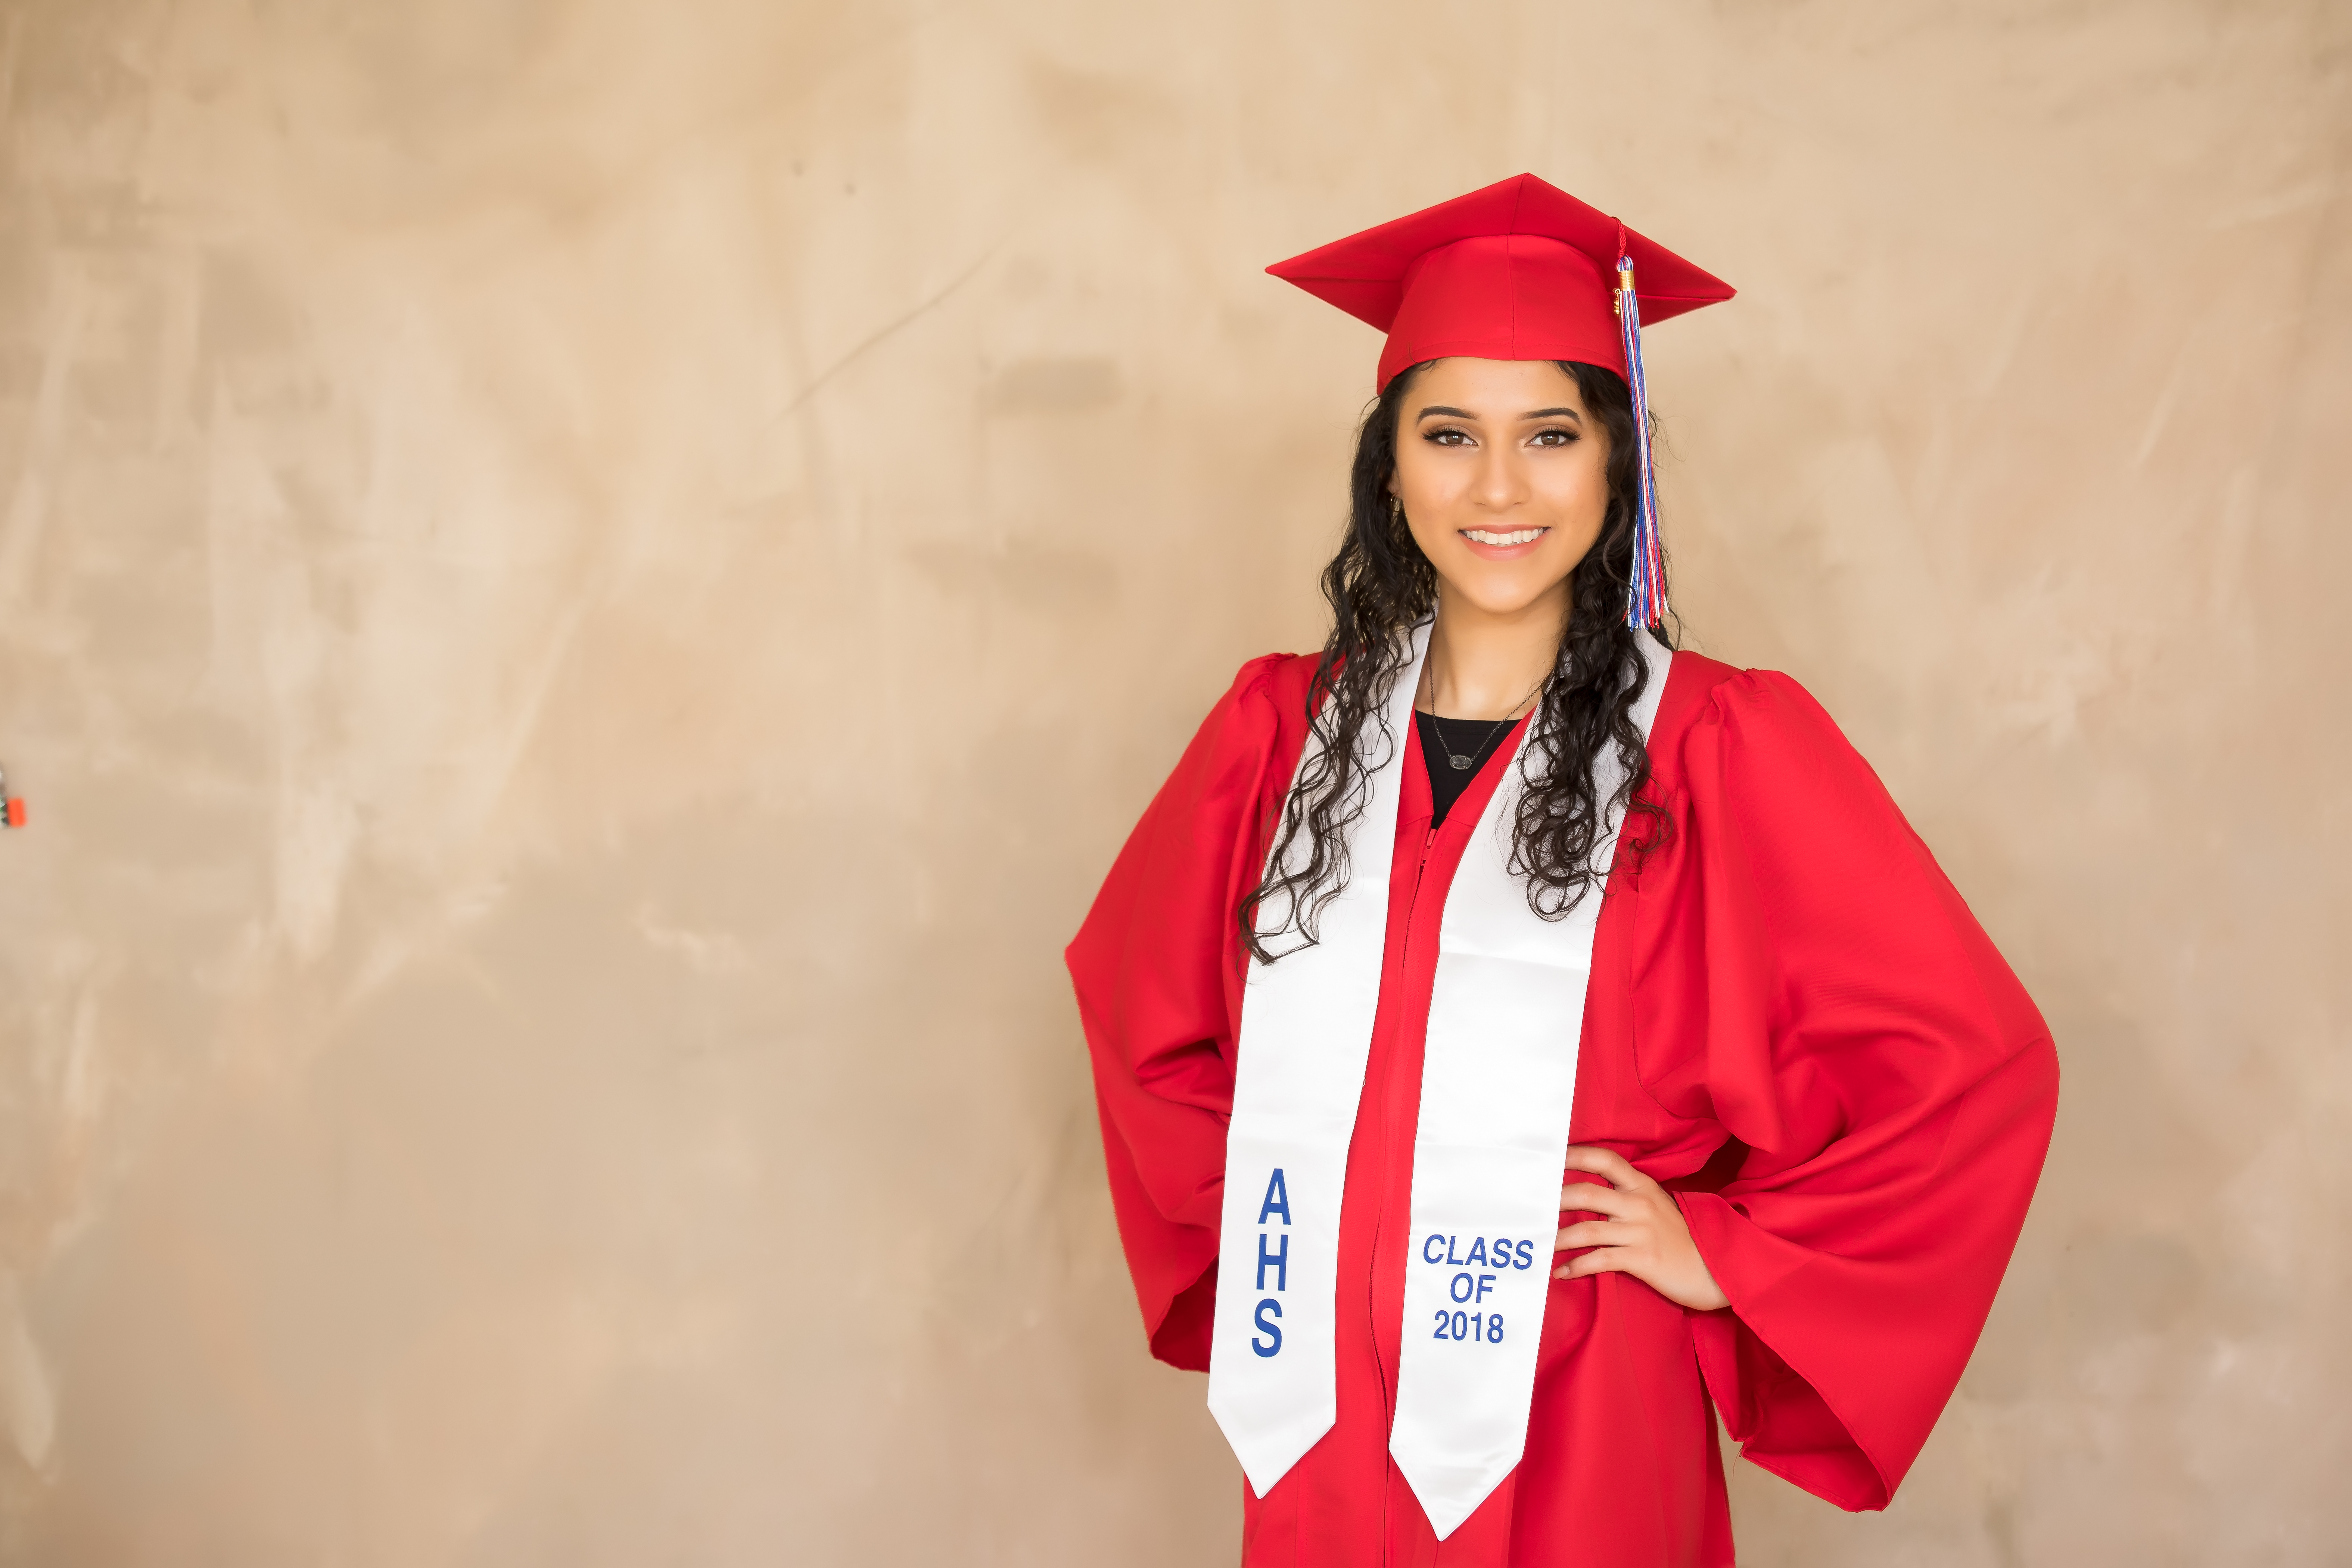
(1437, 408)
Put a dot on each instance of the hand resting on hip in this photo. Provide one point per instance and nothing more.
(1640, 1232)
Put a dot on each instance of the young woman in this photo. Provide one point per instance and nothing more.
(1519, 1044)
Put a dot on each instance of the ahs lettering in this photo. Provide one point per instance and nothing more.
(1267, 1317)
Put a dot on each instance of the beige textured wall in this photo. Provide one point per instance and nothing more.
(587, 585)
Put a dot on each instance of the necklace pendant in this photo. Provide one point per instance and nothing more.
(1459, 760)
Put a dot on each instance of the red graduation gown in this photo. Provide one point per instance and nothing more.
(1794, 1021)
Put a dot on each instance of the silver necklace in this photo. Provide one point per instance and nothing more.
(1459, 762)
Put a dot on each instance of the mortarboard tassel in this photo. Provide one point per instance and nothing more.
(1646, 603)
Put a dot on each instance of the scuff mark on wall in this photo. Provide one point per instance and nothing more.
(30, 501)
(28, 1402)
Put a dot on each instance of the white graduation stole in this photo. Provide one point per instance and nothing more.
(1497, 1082)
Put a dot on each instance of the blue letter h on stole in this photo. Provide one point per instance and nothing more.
(1280, 1260)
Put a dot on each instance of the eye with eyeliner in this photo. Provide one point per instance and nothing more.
(1554, 436)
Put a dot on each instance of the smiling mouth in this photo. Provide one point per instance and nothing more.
(1517, 536)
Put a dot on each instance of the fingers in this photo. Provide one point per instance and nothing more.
(1604, 1260)
(1610, 1166)
(1599, 1233)
(1592, 1198)
(1626, 1239)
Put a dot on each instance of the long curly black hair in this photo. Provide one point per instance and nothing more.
(1381, 586)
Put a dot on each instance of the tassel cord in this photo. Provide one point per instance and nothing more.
(1646, 598)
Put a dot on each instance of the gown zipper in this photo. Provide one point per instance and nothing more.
(1388, 1141)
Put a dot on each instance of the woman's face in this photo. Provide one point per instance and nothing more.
(1504, 478)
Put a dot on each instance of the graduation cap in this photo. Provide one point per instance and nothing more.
(1520, 269)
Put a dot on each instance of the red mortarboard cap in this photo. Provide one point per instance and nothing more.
(1520, 269)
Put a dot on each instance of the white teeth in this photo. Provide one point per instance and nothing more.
(1517, 536)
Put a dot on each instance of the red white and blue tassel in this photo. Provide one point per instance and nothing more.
(1646, 603)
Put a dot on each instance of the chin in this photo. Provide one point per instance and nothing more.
(1496, 590)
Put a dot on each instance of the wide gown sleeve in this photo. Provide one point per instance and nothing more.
(1154, 968)
(1815, 984)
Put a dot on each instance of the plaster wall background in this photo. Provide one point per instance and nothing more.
(586, 589)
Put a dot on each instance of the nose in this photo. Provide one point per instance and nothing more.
(1501, 485)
